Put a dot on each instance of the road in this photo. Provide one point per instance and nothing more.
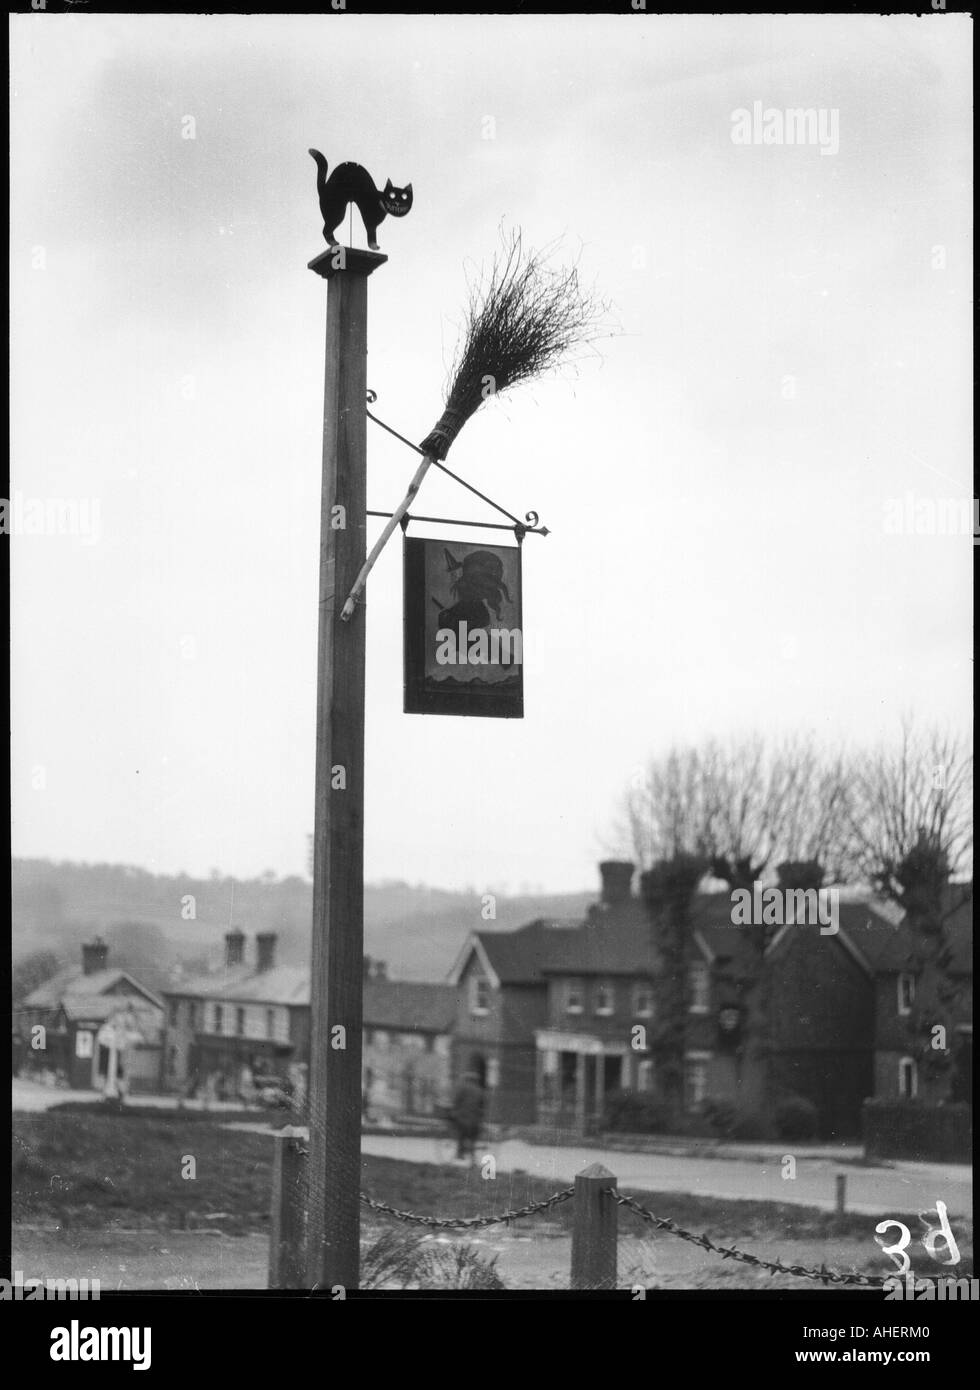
(881, 1192)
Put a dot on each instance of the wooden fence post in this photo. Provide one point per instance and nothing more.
(841, 1193)
(594, 1230)
(287, 1234)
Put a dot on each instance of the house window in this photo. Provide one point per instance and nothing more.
(174, 1013)
(368, 1037)
(908, 1079)
(493, 1072)
(479, 995)
(644, 1075)
(643, 1001)
(195, 1015)
(699, 985)
(83, 1044)
(906, 993)
(270, 1023)
(240, 1022)
(219, 1019)
(695, 1082)
(574, 997)
(604, 998)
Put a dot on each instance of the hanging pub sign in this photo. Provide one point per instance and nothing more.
(464, 644)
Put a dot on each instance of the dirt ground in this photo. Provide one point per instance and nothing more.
(110, 1196)
(536, 1259)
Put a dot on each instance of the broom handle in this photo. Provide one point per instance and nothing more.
(347, 611)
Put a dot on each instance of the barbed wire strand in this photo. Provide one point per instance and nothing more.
(729, 1252)
(662, 1223)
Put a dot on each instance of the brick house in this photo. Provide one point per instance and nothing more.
(90, 1011)
(405, 1062)
(240, 1018)
(899, 985)
(501, 998)
(558, 1015)
(254, 1019)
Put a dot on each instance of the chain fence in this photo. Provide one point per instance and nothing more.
(662, 1223)
(468, 1223)
(729, 1252)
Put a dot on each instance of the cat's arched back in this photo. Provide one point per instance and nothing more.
(351, 183)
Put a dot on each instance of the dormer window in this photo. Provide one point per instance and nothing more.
(906, 994)
(604, 998)
(574, 997)
(479, 995)
(699, 987)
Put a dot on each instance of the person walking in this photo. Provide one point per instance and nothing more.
(467, 1115)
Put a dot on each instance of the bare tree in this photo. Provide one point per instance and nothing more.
(911, 798)
(911, 826)
(739, 807)
(664, 811)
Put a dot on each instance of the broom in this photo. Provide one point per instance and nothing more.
(522, 320)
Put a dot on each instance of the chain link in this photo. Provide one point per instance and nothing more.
(463, 1223)
(729, 1252)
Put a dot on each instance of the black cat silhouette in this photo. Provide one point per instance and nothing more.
(351, 183)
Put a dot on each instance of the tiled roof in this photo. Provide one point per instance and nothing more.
(72, 981)
(283, 984)
(619, 940)
(387, 1003)
(520, 957)
(103, 1006)
(403, 1004)
(959, 932)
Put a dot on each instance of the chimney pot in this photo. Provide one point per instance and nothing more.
(94, 956)
(800, 873)
(617, 880)
(265, 947)
(234, 948)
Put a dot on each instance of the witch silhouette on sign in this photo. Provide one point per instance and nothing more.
(478, 590)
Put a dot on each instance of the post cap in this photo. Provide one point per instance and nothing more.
(353, 261)
(596, 1170)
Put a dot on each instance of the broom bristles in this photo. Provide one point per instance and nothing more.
(524, 320)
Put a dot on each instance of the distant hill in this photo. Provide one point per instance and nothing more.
(144, 917)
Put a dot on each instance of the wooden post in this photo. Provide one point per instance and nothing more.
(287, 1262)
(594, 1230)
(334, 1164)
(580, 1092)
(600, 1092)
(841, 1193)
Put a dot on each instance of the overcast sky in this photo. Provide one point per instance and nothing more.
(794, 357)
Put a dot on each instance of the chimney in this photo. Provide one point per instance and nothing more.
(234, 948)
(800, 873)
(265, 950)
(94, 956)
(617, 879)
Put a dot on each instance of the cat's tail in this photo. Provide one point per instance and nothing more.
(321, 168)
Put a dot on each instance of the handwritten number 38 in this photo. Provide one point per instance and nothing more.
(932, 1236)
